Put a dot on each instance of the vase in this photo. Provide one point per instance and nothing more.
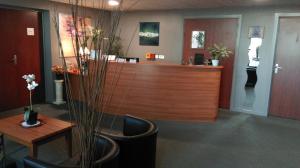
(59, 76)
(59, 92)
(26, 114)
(30, 117)
(215, 62)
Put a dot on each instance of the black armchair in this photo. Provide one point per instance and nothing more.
(4, 162)
(137, 143)
(107, 153)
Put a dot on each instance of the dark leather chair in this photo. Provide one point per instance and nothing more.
(4, 162)
(107, 156)
(137, 143)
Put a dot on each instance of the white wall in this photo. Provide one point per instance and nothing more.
(171, 45)
(171, 34)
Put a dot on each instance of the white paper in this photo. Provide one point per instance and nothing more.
(121, 60)
(111, 57)
(133, 61)
(161, 57)
(30, 31)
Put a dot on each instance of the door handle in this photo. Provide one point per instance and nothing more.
(14, 59)
(277, 68)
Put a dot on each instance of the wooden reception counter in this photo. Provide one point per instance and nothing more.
(165, 91)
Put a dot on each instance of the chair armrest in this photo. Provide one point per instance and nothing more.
(121, 137)
(30, 162)
(34, 163)
(110, 134)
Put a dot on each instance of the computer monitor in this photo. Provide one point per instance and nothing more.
(199, 59)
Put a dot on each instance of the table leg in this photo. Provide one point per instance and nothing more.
(33, 152)
(68, 138)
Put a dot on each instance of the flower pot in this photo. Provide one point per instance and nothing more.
(215, 62)
(59, 76)
(30, 117)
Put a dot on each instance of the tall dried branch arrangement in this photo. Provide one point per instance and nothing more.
(87, 113)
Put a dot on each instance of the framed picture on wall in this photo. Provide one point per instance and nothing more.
(198, 39)
(149, 33)
(256, 32)
(67, 31)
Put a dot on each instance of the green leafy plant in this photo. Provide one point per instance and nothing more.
(219, 51)
(117, 47)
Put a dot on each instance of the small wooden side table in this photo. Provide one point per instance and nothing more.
(50, 129)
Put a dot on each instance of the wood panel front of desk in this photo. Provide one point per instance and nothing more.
(174, 92)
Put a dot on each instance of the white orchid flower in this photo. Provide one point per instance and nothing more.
(29, 78)
(31, 85)
(34, 84)
(32, 77)
(24, 77)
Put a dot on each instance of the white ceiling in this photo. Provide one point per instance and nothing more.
(186, 4)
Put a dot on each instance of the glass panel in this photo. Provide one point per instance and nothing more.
(253, 56)
(198, 39)
(253, 52)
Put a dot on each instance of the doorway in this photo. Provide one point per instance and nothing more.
(20, 54)
(219, 31)
(285, 92)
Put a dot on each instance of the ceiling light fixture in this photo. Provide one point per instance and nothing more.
(113, 2)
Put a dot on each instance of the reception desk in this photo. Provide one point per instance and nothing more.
(163, 91)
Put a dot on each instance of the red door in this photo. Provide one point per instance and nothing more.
(19, 54)
(220, 31)
(285, 93)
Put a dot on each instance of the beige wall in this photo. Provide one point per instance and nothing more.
(171, 34)
(171, 45)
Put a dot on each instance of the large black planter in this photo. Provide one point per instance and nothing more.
(32, 118)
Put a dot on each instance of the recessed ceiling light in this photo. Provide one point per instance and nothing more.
(113, 2)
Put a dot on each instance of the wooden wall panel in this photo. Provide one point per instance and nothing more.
(285, 93)
(220, 31)
(16, 43)
(164, 91)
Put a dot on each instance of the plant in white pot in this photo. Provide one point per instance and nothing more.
(218, 52)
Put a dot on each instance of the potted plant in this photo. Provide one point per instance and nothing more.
(58, 71)
(117, 47)
(87, 113)
(218, 52)
(59, 80)
(30, 117)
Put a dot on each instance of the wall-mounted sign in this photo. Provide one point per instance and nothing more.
(30, 31)
(256, 32)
